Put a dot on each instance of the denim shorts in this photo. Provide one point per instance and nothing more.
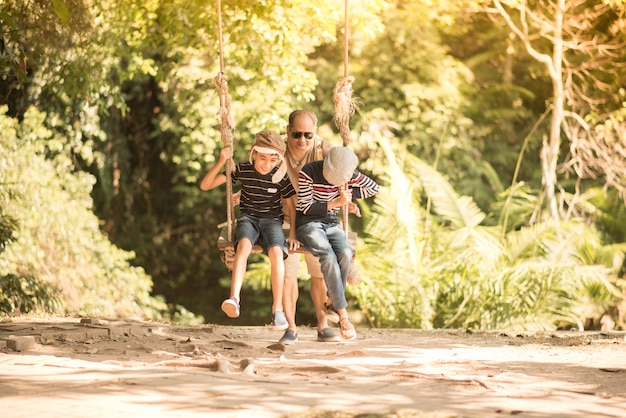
(266, 232)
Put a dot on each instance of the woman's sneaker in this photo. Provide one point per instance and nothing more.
(346, 329)
(231, 307)
(279, 320)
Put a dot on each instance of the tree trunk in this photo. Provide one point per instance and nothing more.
(550, 148)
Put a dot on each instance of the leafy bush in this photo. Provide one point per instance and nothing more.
(58, 243)
(27, 294)
(445, 269)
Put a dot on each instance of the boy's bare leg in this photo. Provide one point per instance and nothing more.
(277, 266)
(244, 248)
(230, 306)
(277, 277)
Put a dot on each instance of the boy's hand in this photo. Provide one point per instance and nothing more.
(236, 198)
(293, 244)
(226, 154)
(345, 195)
(354, 209)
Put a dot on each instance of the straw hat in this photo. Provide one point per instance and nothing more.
(269, 142)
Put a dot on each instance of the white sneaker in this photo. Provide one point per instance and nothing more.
(280, 320)
(231, 307)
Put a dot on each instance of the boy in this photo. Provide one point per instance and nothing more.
(264, 185)
(323, 187)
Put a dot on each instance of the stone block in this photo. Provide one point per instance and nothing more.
(20, 343)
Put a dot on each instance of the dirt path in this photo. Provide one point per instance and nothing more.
(132, 368)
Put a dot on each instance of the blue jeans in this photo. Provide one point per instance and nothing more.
(330, 244)
(266, 232)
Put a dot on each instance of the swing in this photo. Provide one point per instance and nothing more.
(345, 107)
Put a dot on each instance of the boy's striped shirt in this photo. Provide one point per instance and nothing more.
(314, 193)
(259, 196)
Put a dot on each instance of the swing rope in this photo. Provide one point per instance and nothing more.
(345, 106)
(226, 131)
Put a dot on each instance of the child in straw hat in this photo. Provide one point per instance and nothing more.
(265, 185)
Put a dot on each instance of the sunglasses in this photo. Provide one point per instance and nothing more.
(298, 135)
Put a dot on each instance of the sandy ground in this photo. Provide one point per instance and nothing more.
(98, 368)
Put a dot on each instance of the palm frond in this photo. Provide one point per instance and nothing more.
(476, 245)
(526, 242)
(515, 206)
(460, 211)
(398, 220)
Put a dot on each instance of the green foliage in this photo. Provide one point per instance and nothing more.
(407, 76)
(129, 125)
(607, 210)
(29, 29)
(446, 270)
(58, 244)
(27, 295)
(504, 101)
(7, 226)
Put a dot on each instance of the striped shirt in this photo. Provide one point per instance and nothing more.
(259, 196)
(314, 193)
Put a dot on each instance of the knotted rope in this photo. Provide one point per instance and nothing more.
(345, 106)
(226, 131)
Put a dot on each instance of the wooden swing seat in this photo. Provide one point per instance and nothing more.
(223, 244)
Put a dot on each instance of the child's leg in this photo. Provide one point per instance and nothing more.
(244, 248)
(277, 264)
(230, 306)
(273, 241)
(319, 295)
(246, 234)
(313, 236)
